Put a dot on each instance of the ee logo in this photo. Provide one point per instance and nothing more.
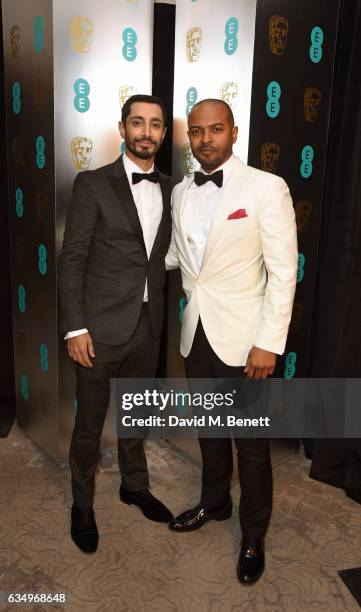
(24, 385)
(191, 97)
(290, 365)
(39, 34)
(301, 267)
(130, 39)
(42, 263)
(16, 98)
(306, 167)
(82, 91)
(40, 152)
(44, 357)
(122, 147)
(19, 197)
(231, 30)
(75, 407)
(181, 308)
(273, 95)
(21, 298)
(316, 45)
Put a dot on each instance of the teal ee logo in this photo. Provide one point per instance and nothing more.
(16, 90)
(19, 199)
(316, 45)
(75, 407)
(273, 95)
(39, 33)
(21, 298)
(290, 365)
(306, 167)
(44, 357)
(24, 386)
(42, 263)
(130, 39)
(231, 42)
(180, 402)
(122, 147)
(301, 267)
(82, 91)
(191, 97)
(182, 304)
(40, 152)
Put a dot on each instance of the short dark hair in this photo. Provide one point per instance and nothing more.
(216, 101)
(143, 98)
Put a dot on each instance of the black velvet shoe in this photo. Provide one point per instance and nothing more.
(84, 529)
(251, 563)
(198, 516)
(151, 507)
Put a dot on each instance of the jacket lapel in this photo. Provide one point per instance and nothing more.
(165, 188)
(120, 185)
(183, 199)
(224, 206)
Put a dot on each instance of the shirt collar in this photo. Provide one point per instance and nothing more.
(130, 166)
(226, 167)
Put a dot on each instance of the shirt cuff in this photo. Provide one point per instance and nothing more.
(77, 332)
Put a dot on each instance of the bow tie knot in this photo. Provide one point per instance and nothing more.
(153, 177)
(216, 177)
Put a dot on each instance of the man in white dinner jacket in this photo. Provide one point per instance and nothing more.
(234, 239)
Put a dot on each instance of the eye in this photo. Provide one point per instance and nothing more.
(195, 132)
(136, 122)
(218, 129)
(156, 126)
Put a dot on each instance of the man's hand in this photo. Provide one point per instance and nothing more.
(260, 363)
(81, 349)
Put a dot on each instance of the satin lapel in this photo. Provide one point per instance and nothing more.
(182, 203)
(120, 185)
(165, 188)
(224, 207)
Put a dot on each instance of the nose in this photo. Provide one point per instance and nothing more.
(206, 136)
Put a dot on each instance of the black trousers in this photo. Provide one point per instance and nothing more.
(254, 459)
(136, 359)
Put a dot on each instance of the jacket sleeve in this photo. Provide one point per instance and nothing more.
(279, 246)
(78, 234)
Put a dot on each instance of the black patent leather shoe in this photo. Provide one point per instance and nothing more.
(151, 507)
(84, 531)
(198, 516)
(251, 562)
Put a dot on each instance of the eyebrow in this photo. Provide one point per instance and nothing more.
(212, 125)
(142, 118)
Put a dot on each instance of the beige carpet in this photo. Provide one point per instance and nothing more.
(141, 566)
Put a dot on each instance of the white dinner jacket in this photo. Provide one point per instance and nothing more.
(245, 288)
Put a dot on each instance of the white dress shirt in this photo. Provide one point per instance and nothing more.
(199, 211)
(148, 200)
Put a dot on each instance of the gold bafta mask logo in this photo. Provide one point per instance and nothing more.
(312, 101)
(125, 92)
(303, 210)
(81, 151)
(193, 43)
(278, 31)
(296, 319)
(15, 41)
(188, 159)
(17, 152)
(81, 29)
(229, 92)
(45, 402)
(41, 206)
(270, 154)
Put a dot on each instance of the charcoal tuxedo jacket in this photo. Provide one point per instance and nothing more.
(104, 264)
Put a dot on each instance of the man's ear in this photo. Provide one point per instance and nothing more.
(121, 129)
(234, 134)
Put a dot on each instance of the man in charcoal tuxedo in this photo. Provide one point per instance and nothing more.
(234, 239)
(111, 279)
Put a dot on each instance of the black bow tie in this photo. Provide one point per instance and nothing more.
(153, 177)
(216, 177)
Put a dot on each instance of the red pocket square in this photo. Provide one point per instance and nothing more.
(237, 214)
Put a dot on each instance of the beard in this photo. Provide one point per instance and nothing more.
(145, 153)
